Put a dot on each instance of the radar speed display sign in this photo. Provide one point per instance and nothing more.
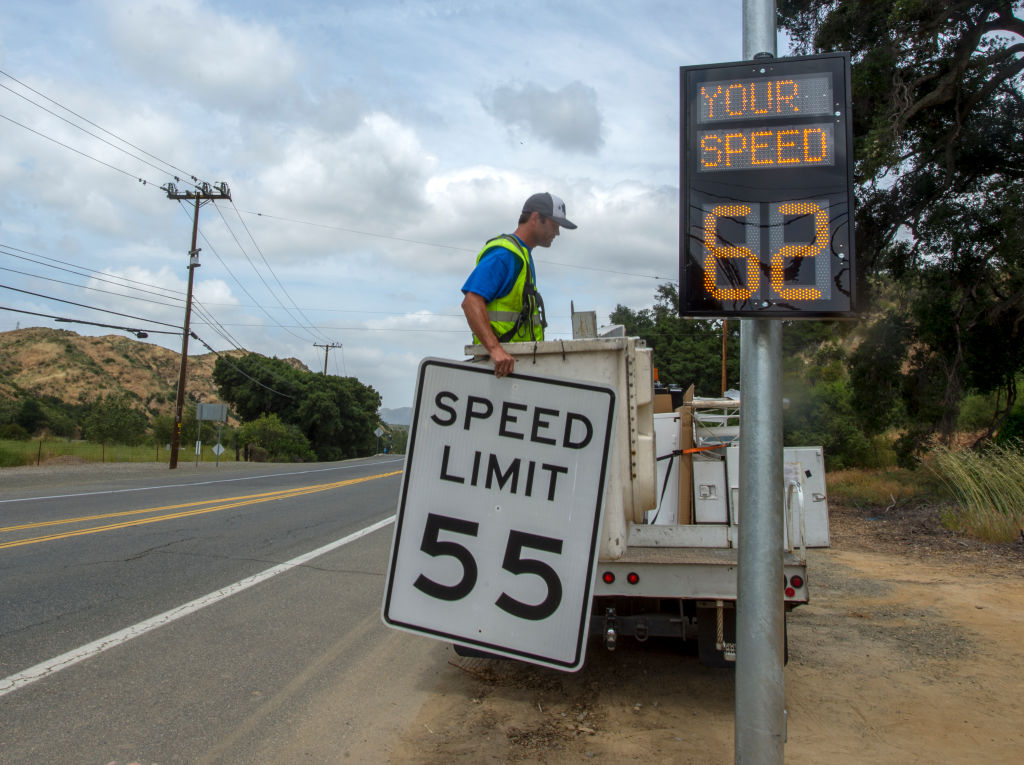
(766, 202)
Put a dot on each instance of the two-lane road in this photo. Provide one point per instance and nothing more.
(193, 616)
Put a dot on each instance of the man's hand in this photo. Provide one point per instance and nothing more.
(475, 308)
(504, 362)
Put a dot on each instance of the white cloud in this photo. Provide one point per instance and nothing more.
(374, 173)
(567, 118)
(217, 58)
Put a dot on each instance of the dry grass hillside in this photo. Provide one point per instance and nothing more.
(79, 369)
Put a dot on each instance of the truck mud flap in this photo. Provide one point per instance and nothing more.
(708, 639)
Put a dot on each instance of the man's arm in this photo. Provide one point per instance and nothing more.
(475, 308)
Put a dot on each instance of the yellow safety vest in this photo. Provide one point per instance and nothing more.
(518, 316)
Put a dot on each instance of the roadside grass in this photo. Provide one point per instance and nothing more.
(39, 451)
(981, 494)
(880, 487)
(988, 487)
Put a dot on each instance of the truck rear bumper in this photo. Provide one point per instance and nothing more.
(687, 573)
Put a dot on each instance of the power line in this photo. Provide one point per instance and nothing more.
(86, 287)
(185, 173)
(449, 246)
(176, 295)
(87, 271)
(141, 333)
(79, 127)
(221, 328)
(274, 321)
(403, 330)
(234, 366)
(90, 273)
(83, 305)
(141, 180)
(260, 251)
(256, 270)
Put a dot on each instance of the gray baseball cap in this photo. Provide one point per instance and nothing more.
(549, 206)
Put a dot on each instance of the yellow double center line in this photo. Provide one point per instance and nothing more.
(201, 507)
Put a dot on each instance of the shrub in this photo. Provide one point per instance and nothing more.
(14, 432)
(281, 442)
(1012, 430)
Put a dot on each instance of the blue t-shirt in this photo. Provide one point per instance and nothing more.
(496, 273)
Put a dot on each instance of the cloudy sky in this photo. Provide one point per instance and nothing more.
(371, 147)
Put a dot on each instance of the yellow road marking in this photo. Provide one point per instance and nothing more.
(231, 502)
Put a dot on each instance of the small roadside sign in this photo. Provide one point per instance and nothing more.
(500, 513)
(218, 450)
(215, 412)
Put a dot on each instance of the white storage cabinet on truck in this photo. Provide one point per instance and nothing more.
(668, 558)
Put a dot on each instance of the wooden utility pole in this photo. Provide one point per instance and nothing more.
(327, 349)
(203, 191)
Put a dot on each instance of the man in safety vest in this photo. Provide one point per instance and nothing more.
(502, 304)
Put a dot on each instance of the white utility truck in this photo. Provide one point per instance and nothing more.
(665, 555)
(668, 556)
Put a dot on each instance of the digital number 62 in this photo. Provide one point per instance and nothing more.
(716, 252)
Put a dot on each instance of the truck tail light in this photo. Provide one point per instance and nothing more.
(797, 581)
(632, 577)
(608, 577)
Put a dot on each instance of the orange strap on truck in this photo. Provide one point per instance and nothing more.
(702, 448)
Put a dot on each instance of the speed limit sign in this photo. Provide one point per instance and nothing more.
(499, 518)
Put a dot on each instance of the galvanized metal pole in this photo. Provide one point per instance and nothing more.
(760, 616)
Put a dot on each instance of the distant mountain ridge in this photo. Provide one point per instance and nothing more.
(400, 416)
(78, 369)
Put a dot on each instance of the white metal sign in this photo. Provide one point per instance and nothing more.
(215, 412)
(500, 514)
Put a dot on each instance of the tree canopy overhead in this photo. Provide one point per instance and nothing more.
(939, 169)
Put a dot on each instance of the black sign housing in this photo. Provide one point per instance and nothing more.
(767, 189)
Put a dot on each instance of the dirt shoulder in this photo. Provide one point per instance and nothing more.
(909, 652)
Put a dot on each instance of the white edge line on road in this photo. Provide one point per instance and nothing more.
(196, 483)
(47, 668)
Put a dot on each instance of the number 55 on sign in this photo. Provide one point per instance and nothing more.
(500, 514)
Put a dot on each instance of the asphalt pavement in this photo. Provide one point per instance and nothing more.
(229, 681)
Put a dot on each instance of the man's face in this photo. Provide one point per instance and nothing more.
(547, 230)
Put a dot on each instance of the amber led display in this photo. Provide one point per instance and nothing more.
(782, 147)
(766, 189)
(757, 97)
